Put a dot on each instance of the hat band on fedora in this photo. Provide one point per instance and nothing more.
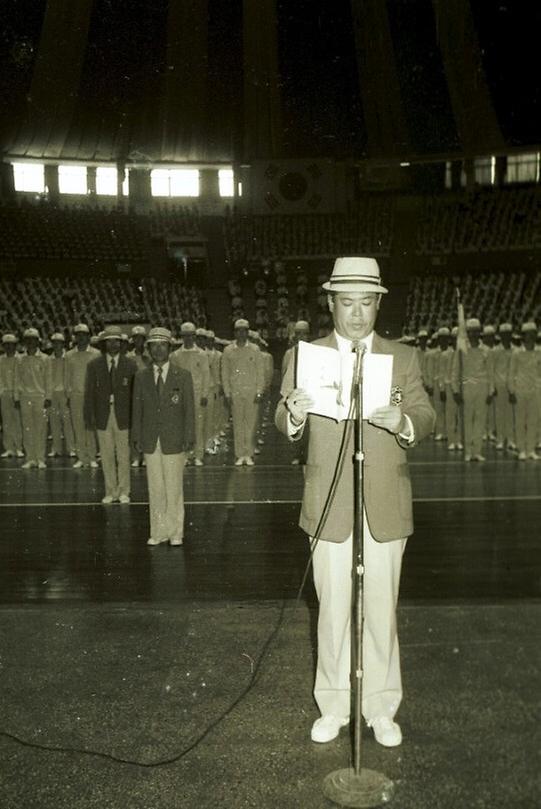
(362, 279)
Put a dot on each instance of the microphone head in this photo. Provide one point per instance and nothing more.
(358, 346)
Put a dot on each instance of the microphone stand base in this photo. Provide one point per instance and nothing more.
(369, 788)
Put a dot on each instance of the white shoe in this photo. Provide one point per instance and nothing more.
(239, 461)
(124, 498)
(467, 457)
(260, 441)
(460, 446)
(295, 462)
(451, 447)
(73, 454)
(499, 445)
(42, 465)
(198, 462)
(143, 462)
(135, 464)
(20, 453)
(257, 451)
(28, 465)
(52, 454)
(249, 461)
(386, 732)
(522, 456)
(438, 437)
(176, 542)
(6, 454)
(479, 458)
(78, 465)
(107, 500)
(152, 541)
(327, 728)
(94, 465)
(534, 456)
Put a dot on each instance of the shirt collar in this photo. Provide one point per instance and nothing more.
(165, 369)
(344, 344)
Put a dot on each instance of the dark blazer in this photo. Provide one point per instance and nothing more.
(386, 481)
(98, 390)
(170, 417)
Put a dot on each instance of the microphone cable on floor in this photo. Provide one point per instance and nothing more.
(256, 670)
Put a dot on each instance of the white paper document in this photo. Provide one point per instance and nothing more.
(327, 376)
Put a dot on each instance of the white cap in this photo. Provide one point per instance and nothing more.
(201, 332)
(32, 333)
(58, 337)
(422, 333)
(81, 328)
(188, 328)
(138, 330)
(443, 331)
(473, 323)
(505, 327)
(241, 323)
(528, 326)
(489, 330)
(9, 338)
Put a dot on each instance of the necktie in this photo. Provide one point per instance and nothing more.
(112, 376)
(159, 381)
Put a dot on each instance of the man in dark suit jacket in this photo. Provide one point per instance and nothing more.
(163, 428)
(107, 409)
(354, 296)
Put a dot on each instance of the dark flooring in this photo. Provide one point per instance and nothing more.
(158, 678)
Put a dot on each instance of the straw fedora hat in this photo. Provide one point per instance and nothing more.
(355, 274)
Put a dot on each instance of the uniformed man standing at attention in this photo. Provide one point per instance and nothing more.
(142, 360)
(77, 360)
(443, 363)
(194, 359)
(163, 428)
(32, 394)
(59, 415)
(11, 420)
(505, 416)
(477, 385)
(244, 382)
(523, 382)
(213, 416)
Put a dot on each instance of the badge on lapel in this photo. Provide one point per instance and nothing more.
(175, 398)
(396, 395)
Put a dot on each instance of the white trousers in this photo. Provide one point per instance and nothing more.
(115, 458)
(382, 682)
(165, 476)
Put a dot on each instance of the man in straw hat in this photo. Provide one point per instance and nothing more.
(194, 359)
(107, 409)
(163, 428)
(354, 295)
(59, 416)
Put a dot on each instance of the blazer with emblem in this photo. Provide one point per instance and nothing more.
(386, 480)
(169, 417)
(98, 391)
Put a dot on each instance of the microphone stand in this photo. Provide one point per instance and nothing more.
(357, 786)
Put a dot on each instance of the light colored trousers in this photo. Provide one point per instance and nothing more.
(60, 421)
(12, 435)
(34, 424)
(165, 476)
(200, 424)
(85, 441)
(475, 417)
(244, 412)
(526, 421)
(453, 418)
(505, 428)
(115, 458)
(439, 407)
(382, 681)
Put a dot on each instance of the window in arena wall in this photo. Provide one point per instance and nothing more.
(174, 182)
(226, 182)
(106, 181)
(29, 177)
(72, 180)
(485, 170)
(523, 168)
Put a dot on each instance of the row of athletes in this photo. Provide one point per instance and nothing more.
(490, 391)
(40, 391)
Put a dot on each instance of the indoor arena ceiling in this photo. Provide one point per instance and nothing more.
(182, 80)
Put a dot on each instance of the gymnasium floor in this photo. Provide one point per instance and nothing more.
(181, 677)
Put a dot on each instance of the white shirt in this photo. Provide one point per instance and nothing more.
(165, 371)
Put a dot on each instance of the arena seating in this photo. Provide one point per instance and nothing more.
(51, 303)
(484, 220)
(493, 297)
